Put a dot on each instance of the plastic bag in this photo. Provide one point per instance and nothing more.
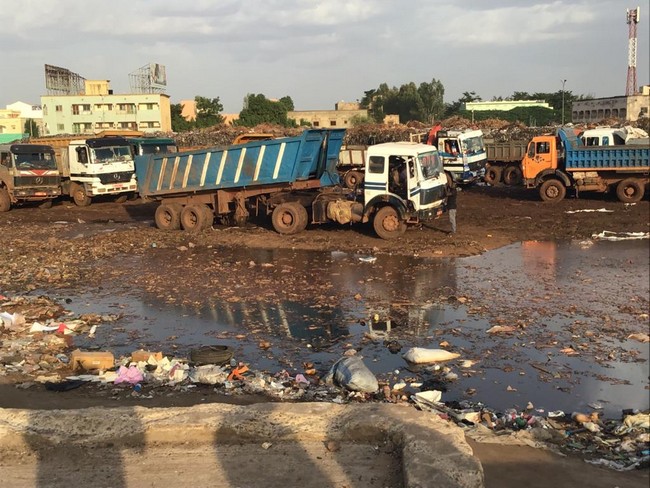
(421, 355)
(351, 373)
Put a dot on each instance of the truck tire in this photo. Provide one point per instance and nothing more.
(193, 218)
(79, 195)
(211, 355)
(209, 216)
(46, 203)
(492, 175)
(512, 176)
(121, 198)
(289, 218)
(630, 190)
(168, 216)
(387, 223)
(5, 200)
(552, 191)
(352, 179)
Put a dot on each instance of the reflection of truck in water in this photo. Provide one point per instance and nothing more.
(462, 152)
(554, 163)
(28, 173)
(94, 166)
(294, 181)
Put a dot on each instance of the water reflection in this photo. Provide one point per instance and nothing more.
(558, 295)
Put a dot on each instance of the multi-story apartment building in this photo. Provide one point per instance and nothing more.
(98, 109)
(625, 108)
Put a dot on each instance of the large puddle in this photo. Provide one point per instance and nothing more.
(573, 306)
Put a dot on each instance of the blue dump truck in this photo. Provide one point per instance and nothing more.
(294, 180)
(554, 163)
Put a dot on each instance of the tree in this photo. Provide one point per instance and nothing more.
(260, 110)
(455, 108)
(430, 103)
(32, 128)
(208, 111)
(179, 124)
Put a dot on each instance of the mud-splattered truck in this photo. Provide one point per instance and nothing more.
(28, 173)
(293, 180)
(554, 163)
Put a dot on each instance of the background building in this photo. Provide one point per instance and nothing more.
(504, 105)
(12, 126)
(624, 108)
(98, 108)
(341, 116)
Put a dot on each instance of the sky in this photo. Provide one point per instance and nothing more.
(322, 52)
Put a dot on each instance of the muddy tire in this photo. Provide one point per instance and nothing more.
(630, 190)
(193, 218)
(211, 355)
(122, 198)
(79, 195)
(289, 218)
(352, 179)
(5, 201)
(492, 175)
(512, 176)
(552, 191)
(168, 216)
(46, 203)
(387, 223)
(209, 216)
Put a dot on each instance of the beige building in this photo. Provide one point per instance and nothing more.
(98, 108)
(622, 107)
(341, 116)
(12, 126)
(504, 105)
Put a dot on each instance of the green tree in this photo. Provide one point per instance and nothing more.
(455, 108)
(430, 102)
(31, 128)
(260, 110)
(179, 124)
(208, 111)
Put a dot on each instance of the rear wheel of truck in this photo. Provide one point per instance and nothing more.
(492, 175)
(209, 216)
(168, 216)
(46, 204)
(193, 218)
(552, 191)
(352, 179)
(5, 201)
(289, 218)
(387, 223)
(79, 195)
(630, 190)
(512, 176)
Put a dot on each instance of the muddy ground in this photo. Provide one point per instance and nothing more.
(70, 249)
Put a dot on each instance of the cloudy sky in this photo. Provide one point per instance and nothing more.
(320, 52)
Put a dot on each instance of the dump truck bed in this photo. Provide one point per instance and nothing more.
(269, 162)
(506, 152)
(578, 157)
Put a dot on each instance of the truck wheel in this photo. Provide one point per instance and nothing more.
(46, 203)
(79, 195)
(122, 198)
(387, 223)
(512, 176)
(209, 216)
(168, 216)
(492, 175)
(352, 179)
(629, 190)
(193, 218)
(552, 191)
(289, 218)
(5, 201)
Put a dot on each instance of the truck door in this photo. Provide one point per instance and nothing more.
(539, 157)
(376, 178)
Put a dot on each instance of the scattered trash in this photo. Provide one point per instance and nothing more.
(588, 210)
(368, 259)
(352, 374)
(421, 355)
(131, 375)
(91, 360)
(620, 236)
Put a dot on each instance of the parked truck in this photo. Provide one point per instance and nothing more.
(554, 163)
(28, 173)
(503, 161)
(152, 145)
(294, 181)
(93, 166)
(614, 136)
(462, 152)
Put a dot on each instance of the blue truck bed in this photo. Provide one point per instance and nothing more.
(270, 162)
(579, 157)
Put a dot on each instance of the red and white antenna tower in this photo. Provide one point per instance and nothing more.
(632, 21)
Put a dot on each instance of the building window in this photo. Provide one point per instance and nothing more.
(332, 123)
(614, 112)
(104, 106)
(127, 125)
(59, 108)
(44, 109)
(607, 114)
(148, 106)
(60, 126)
(81, 109)
(315, 123)
(149, 125)
(126, 108)
(623, 113)
(103, 125)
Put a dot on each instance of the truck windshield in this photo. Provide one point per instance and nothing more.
(158, 148)
(35, 161)
(473, 145)
(430, 163)
(111, 153)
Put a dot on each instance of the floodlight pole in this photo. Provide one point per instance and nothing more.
(563, 82)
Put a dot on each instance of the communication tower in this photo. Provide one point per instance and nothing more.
(632, 21)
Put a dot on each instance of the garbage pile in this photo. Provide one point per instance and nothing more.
(37, 347)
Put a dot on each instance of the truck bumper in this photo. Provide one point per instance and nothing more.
(36, 193)
(430, 213)
(469, 176)
(113, 188)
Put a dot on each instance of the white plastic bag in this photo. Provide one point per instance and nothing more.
(352, 374)
(421, 355)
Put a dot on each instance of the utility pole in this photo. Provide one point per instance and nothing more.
(563, 82)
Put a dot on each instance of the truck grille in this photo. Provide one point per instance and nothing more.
(431, 195)
(37, 181)
(118, 177)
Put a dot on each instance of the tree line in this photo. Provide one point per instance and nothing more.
(411, 102)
